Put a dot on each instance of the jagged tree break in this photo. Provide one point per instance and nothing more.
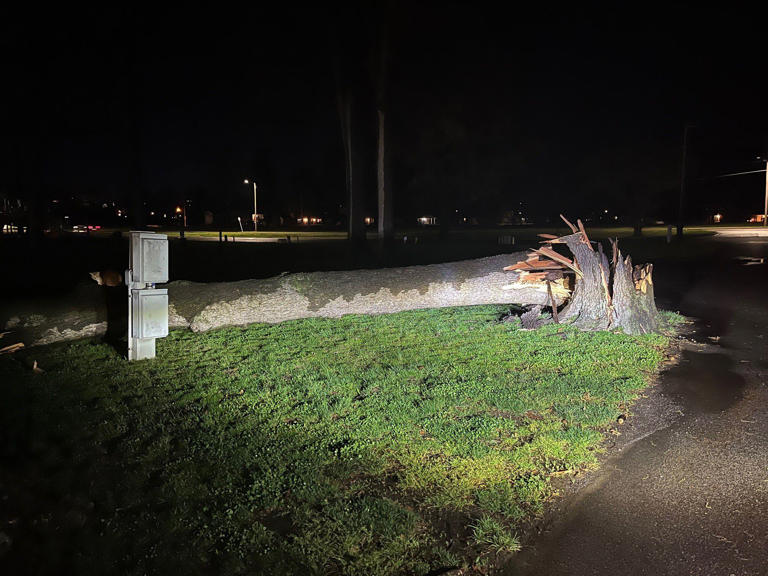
(607, 294)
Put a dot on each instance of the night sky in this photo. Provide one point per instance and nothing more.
(577, 110)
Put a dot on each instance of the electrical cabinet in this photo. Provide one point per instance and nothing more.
(150, 313)
(147, 305)
(149, 258)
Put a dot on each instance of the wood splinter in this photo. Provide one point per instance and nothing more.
(606, 295)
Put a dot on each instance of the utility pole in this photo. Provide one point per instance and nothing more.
(255, 210)
(765, 206)
(683, 181)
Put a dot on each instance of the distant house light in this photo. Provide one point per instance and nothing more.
(368, 220)
(427, 220)
(717, 218)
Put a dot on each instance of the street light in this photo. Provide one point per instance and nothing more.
(182, 211)
(765, 205)
(255, 209)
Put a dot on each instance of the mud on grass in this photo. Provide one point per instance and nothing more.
(401, 443)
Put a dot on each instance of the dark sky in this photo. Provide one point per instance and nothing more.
(563, 109)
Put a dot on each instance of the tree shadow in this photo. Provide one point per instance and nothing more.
(116, 304)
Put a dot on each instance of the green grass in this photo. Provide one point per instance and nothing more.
(433, 232)
(346, 446)
(491, 533)
(324, 234)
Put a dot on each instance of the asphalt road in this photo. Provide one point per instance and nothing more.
(688, 494)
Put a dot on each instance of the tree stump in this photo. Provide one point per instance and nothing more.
(607, 294)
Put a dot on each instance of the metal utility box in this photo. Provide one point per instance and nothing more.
(150, 313)
(147, 305)
(149, 258)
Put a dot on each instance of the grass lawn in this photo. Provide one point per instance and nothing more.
(318, 234)
(388, 444)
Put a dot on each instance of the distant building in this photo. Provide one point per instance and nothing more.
(513, 218)
(756, 218)
(427, 220)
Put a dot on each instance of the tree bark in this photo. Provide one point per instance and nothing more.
(634, 307)
(590, 304)
(205, 306)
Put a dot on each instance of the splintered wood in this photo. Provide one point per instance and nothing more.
(12, 348)
(544, 269)
(642, 275)
(606, 294)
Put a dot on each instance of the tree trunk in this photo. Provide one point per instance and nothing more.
(385, 225)
(634, 307)
(590, 304)
(383, 184)
(205, 306)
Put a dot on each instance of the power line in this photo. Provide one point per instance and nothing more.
(739, 173)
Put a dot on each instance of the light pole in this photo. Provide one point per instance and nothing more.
(255, 209)
(683, 181)
(765, 205)
(182, 212)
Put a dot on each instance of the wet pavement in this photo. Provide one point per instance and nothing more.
(685, 491)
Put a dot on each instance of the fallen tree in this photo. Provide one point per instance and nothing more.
(607, 294)
(203, 307)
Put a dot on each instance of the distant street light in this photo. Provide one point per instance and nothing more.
(255, 208)
(183, 213)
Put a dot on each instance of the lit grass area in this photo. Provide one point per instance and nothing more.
(389, 444)
(173, 232)
(594, 232)
(324, 234)
(433, 232)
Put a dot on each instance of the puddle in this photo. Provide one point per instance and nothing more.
(704, 382)
(707, 331)
(750, 260)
